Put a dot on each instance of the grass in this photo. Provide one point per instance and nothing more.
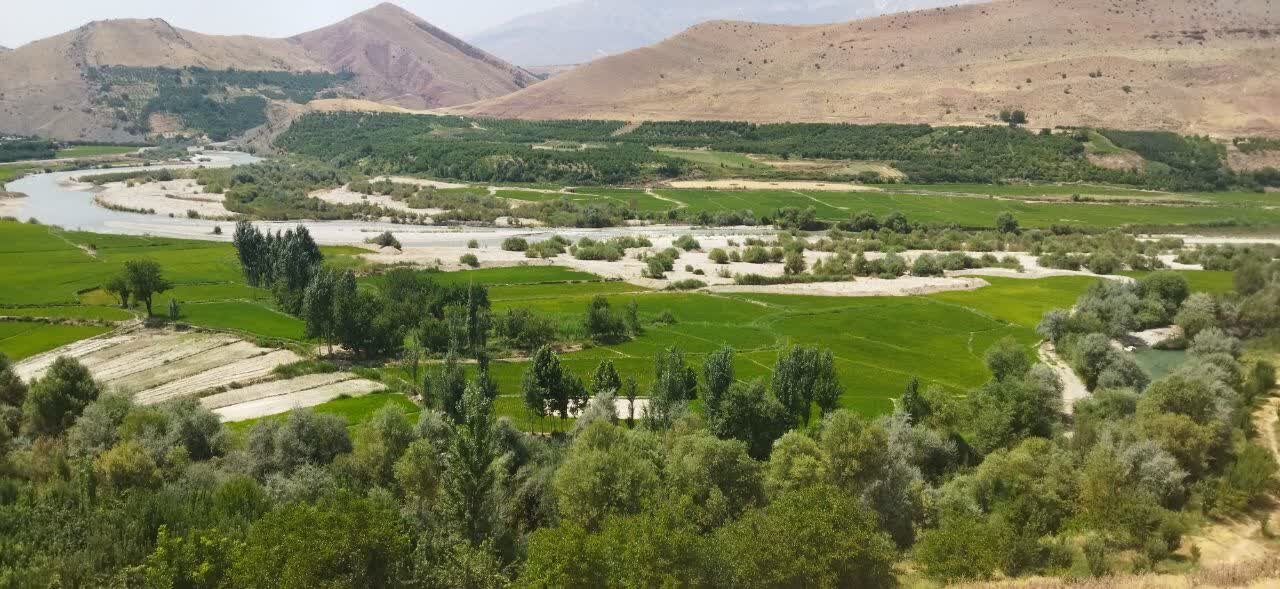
(977, 210)
(1210, 281)
(47, 272)
(92, 313)
(20, 340)
(94, 150)
(356, 410)
(244, 317)
(880, 343)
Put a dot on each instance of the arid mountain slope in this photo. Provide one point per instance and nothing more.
(1185, 65)
(401, 59)
(588, 29)
(48, 87)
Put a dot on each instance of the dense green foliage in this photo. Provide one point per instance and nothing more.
(449, 147)
(13, 150)
(588, 152)
(212, 102)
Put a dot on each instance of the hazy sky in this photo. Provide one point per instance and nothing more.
(28, 20)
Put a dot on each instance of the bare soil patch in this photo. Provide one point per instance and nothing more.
(275, 405)
(172, 198)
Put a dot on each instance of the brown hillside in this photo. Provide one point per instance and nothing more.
(42, 89)
(1186, 65)
(400, 58)
(394, 55)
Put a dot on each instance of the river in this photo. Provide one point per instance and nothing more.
(54, 199)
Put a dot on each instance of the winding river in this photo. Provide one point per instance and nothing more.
(55, 199)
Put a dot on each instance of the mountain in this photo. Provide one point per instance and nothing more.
(1182, 65)
(125, 79)
(402, 59)
(582, 31)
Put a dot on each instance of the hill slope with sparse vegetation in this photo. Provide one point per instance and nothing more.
(1175, 65)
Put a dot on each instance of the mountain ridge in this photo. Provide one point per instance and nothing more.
(588, 29)
(49, 88)
(1174, 65)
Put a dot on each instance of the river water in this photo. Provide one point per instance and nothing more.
(55, 199)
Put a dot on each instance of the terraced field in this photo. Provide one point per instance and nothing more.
(233, 377)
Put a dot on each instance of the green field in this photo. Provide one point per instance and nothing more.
(1213, 282)
(95, 150)
(879, 342)
(20, 339)
(976, 211)
(353, 409)
(57, 274)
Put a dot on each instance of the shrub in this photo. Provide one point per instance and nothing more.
(718, 256)
(687, 243)
(385, 239)
(654, 268)
(515, 244)
(687, 284)
(473, 244)
(470, 260)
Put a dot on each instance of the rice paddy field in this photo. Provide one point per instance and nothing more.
(880, 343)
(56, 275)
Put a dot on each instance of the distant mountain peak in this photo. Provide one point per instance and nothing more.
(587, 29)
(394, 56)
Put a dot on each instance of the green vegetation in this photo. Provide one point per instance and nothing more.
(19, 340)
(62, 275)
(26, 149)
(75, 151)
(498, 150)
(219, 104)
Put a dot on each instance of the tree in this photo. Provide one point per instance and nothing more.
(749, 413)
(1007, 223)
(857, 453)
(605, 379)
(1198, 312)
(602, 324)
(717, 373)
(118, 285)
(252, 250)
(914, 404)
(543, 384)
(350, 542)
(633, 317)
(443, 388)
(674, 384)
(318, 306)
(1007, 359)
(718, 476)
(55, 401)
(145, 280)
(608, 471)
(12, 390)
(831, 541)
(1250, 278)
(305, 438)
(964, 547)
(1007, 411)
(802, 376)
(469, 476)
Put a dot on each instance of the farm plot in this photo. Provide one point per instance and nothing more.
(235, 377)
(880, 343)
